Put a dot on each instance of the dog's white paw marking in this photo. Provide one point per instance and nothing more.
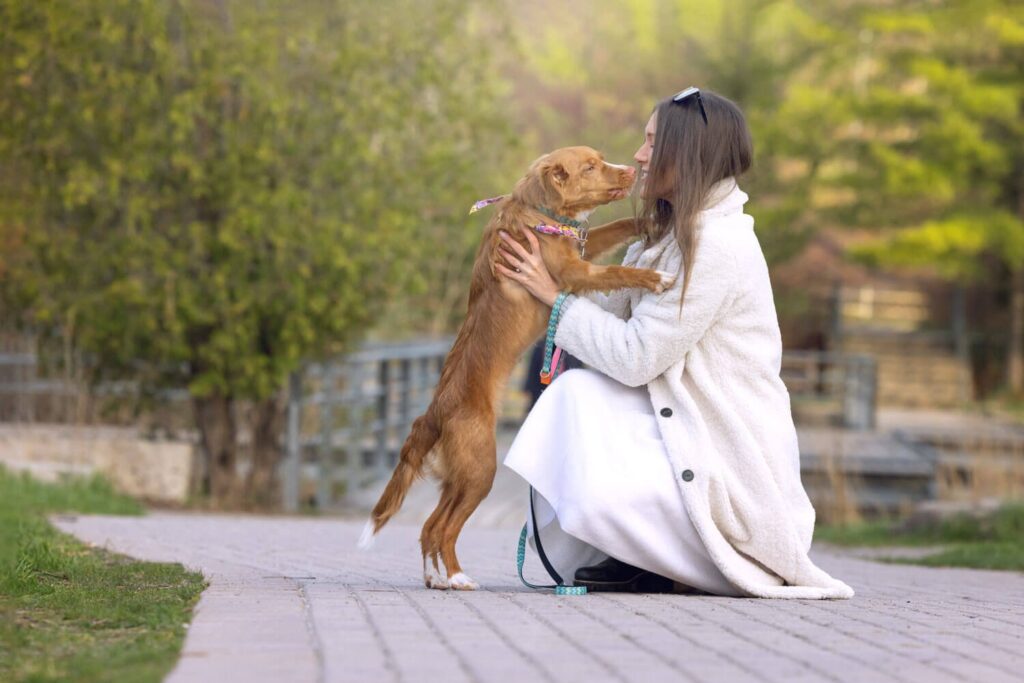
(436, 582)
(432, 577)
(667, 279)
(366, 538)
(461, 582)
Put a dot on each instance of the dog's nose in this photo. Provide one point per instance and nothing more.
(630, 171)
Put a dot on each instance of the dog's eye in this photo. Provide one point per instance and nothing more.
(588, 169)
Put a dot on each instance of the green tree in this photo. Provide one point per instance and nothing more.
(217, 190)
(932, 144)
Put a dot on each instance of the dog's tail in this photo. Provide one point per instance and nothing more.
(422, 438)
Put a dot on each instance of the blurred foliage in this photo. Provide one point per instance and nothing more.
(210, 191)
(935, 135)
(203, 193)
(933, 148)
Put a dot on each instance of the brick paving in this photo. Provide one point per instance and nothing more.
(291, 599)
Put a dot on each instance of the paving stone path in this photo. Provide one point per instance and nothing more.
(291, 599)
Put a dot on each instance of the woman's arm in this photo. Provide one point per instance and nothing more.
(656, 336)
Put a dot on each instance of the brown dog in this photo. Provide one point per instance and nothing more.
(503, 319)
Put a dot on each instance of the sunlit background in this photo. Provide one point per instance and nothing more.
(234, 240)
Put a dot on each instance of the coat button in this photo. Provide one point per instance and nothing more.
(687, 475)
(666, 412)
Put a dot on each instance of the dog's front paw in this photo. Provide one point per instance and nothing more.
(665, 281)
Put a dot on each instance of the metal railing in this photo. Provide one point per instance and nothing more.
(348, 417)
(28, 395)
(22, 392)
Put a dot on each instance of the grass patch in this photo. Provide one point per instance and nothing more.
(990, 542)
(73, 613)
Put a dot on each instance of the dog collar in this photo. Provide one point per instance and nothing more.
(563, 220)
(578, 234)
(565, 226)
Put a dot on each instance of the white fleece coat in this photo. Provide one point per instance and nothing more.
(723, 411)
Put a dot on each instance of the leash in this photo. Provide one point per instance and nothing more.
(560, 587)
(552, 354)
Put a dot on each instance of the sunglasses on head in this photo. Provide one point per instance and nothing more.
(681, 96)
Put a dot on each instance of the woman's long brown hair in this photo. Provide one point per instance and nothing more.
(688, 158)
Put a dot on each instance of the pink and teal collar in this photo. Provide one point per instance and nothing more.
(565, 226)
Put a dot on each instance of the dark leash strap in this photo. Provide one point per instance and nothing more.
(540, 548)
(559, 586)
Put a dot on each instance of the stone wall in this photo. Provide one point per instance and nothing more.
(158, 471)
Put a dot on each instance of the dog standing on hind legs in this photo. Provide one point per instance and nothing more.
(455, 437)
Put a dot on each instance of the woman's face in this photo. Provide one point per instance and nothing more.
(643, 158)
(643, 155)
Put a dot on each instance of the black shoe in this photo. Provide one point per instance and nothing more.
(612, 575)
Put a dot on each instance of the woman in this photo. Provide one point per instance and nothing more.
(674, 459)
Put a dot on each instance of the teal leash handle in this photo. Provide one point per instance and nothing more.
(521, 560)
(560, 589)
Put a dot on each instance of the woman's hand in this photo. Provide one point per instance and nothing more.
(528, 268)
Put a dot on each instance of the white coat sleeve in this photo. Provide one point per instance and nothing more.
(615, 303)
(656, 336)
(599, 298)
(617, 300)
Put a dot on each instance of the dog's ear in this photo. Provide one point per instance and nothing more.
(556, 174)
(543, 183)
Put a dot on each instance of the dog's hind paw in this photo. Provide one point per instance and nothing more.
(667, 280)
(461, 582)
(432, 580)
(432, 577)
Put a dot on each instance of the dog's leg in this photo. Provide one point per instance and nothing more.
(476, 486)
(430, 540)
(580, 276)
(606, 237)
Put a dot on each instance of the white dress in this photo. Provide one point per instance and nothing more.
(591, 449)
